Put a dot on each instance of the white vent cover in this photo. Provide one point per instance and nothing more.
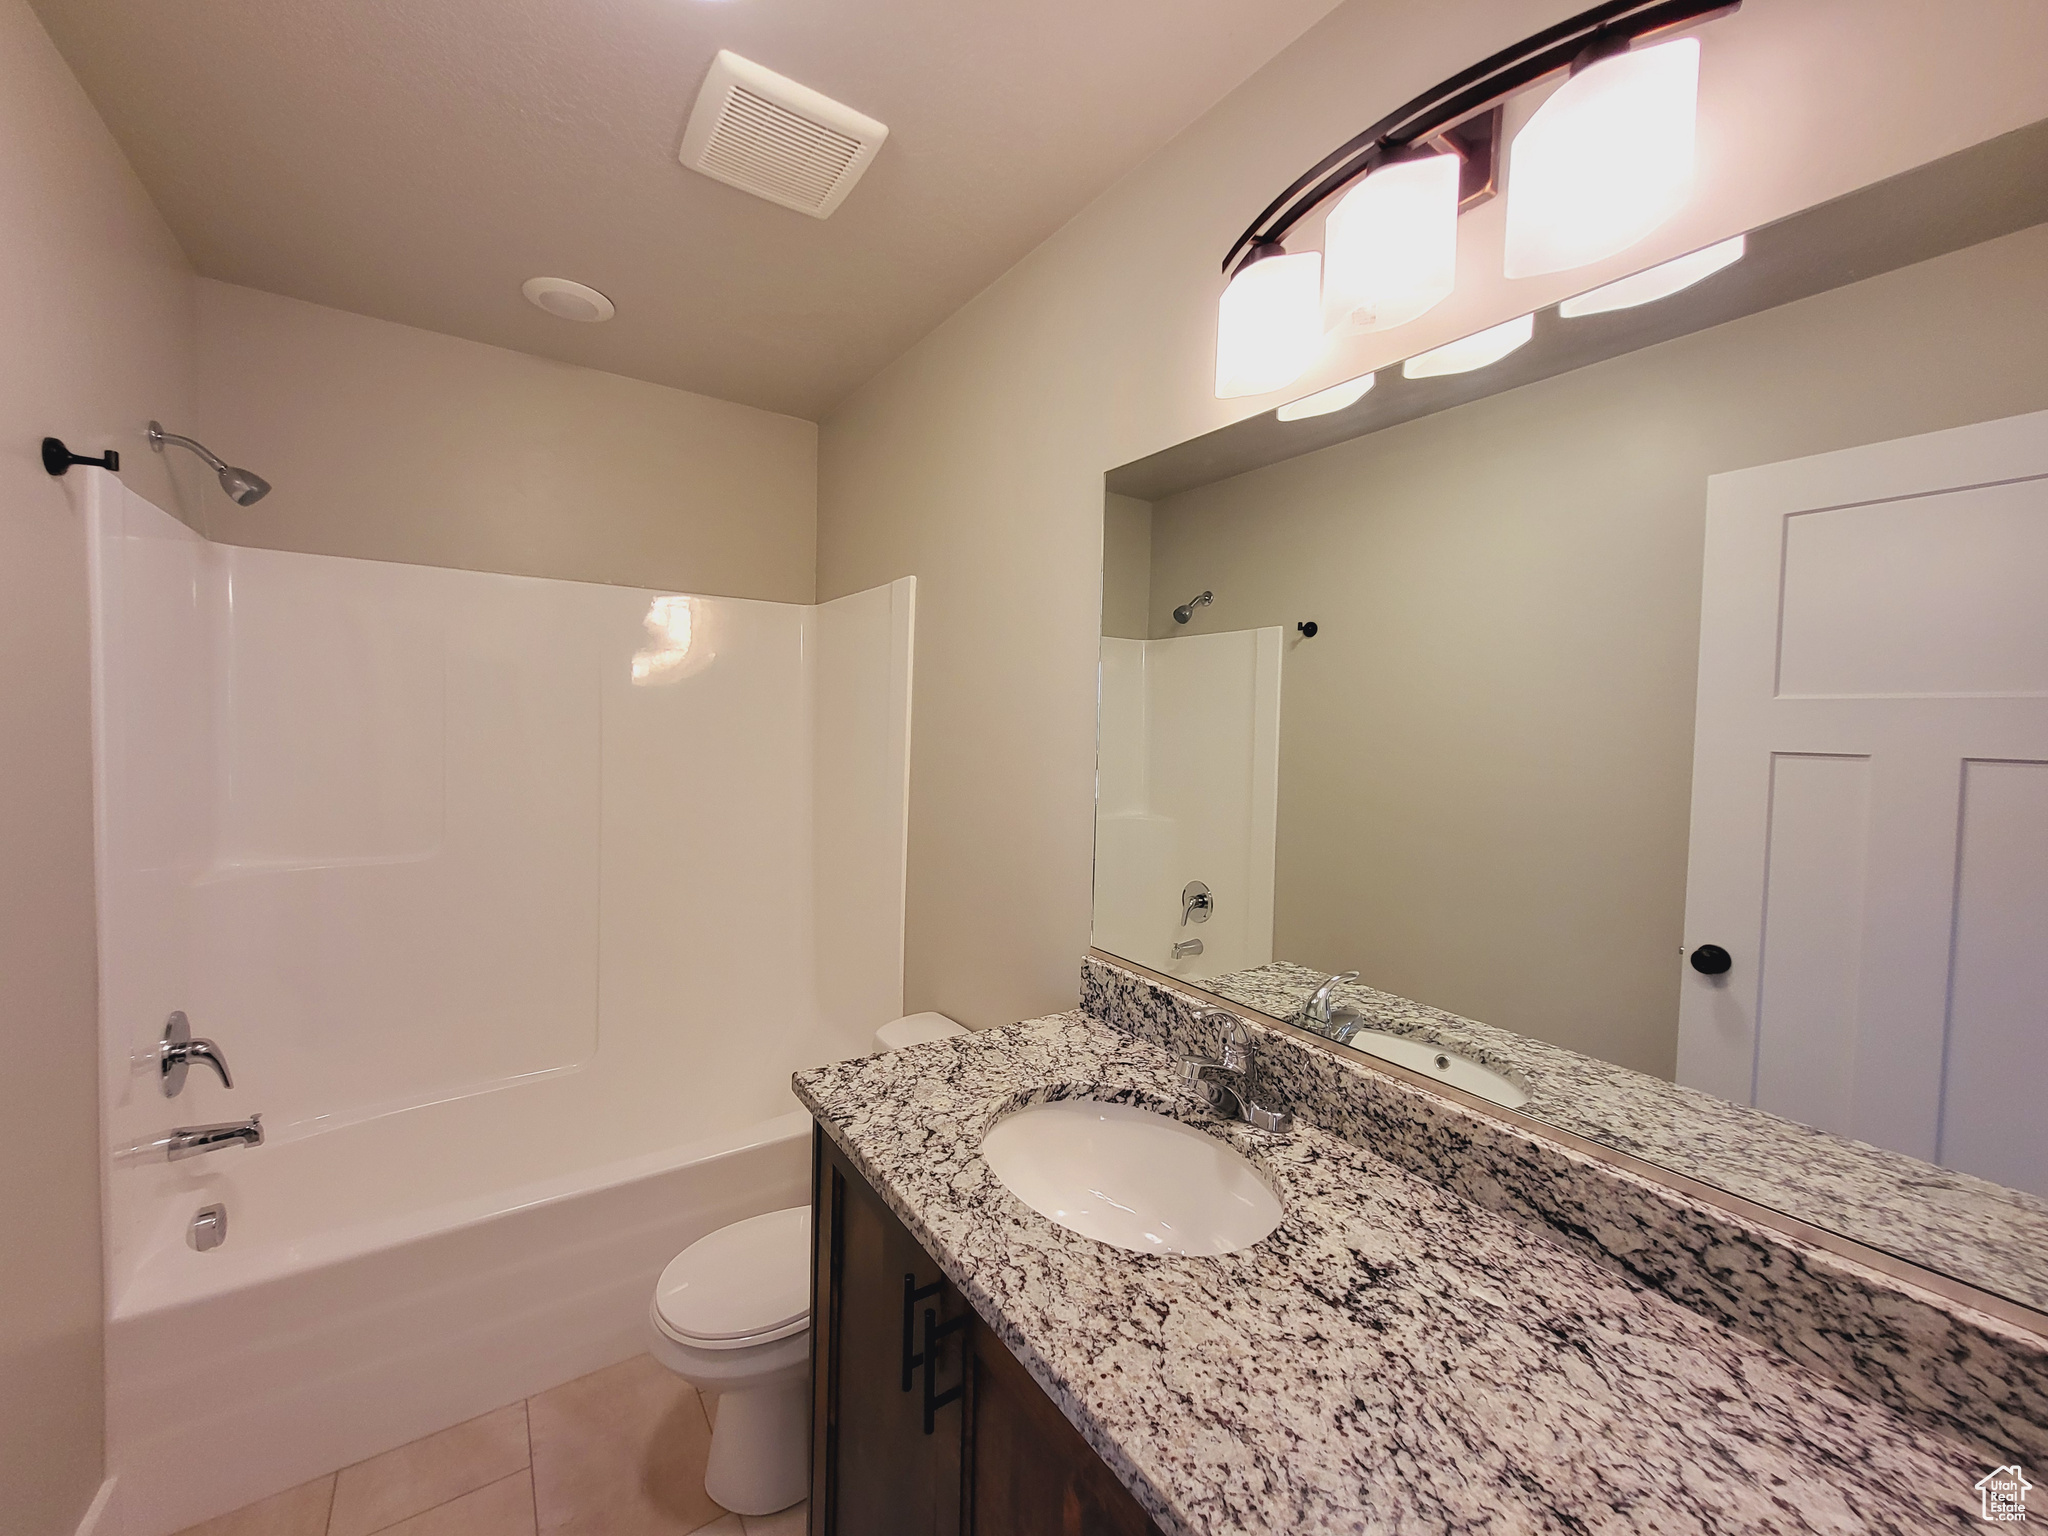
(754, 130)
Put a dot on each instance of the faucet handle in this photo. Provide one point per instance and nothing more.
(1278, 1121)
(179, 1050)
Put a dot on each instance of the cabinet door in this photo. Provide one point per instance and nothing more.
(875, 1470)
(1029, 1471)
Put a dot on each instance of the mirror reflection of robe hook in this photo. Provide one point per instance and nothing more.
(1187, 609)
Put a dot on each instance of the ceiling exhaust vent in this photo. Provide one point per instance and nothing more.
(754, 130)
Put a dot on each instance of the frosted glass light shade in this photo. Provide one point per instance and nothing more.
(1324, 401)
(1658, 282)
(1469, 352)
(1604, 161)
(1269, 325)
(1390, 248)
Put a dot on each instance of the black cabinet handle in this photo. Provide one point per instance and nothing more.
(913, 1293)
(1712, 960)
(934, 1332)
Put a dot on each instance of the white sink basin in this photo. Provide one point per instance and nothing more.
(1130, 1178)
(1444, 1065)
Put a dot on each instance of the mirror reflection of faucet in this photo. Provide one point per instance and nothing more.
(1338, 1023)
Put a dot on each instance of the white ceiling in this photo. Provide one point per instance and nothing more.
(419, 159)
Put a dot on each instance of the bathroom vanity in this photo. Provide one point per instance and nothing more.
(923, 1422)
(1457, 1324)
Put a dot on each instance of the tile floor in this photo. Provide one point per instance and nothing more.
(617, 1453)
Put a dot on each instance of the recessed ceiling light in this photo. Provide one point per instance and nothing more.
(566, 300)
(1324, 401)
(1469, 352)
(1658, 282)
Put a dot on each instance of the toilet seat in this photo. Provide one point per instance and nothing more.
(743, 1285)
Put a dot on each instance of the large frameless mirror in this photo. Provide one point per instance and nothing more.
(1653, 716)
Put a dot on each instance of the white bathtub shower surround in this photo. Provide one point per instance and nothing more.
(1187, 789)
(506, 900)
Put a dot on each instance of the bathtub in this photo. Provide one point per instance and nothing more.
(513, 903)
(302, 1345)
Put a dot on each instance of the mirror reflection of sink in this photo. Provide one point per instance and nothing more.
(1438, 1062)
(1130, 1178)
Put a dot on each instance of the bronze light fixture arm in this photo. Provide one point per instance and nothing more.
(1607, 28)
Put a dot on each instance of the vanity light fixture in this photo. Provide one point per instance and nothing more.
(1654, 283)
(1269, 322)
(1629, 106)
(1390, 248)
(1324, 401)
(1470, 352)
(1604, 161)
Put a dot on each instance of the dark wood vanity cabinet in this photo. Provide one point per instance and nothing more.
(922, 1421)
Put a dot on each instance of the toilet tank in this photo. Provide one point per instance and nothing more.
(914, 1030)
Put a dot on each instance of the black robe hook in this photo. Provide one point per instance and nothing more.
(57, 458)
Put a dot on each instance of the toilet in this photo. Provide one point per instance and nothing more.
(731, 1315)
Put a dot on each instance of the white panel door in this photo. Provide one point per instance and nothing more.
(1870, 796)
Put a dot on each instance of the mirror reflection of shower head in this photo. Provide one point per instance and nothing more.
(1187, 609)
(244, 487)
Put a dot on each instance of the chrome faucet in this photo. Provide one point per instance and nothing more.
(191, 1140)
(179, 1050)
(1202, 1077)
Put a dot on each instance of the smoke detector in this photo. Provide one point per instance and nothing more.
(757, 131)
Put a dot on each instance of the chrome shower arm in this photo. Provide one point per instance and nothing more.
(158, 437)
(244, 487)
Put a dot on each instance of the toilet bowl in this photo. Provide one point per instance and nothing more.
(731, 1315)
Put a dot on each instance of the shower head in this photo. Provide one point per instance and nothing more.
(1187, 609)
(244, 487)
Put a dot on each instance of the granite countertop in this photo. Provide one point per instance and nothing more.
(1392, 1358)
(1983, 1233)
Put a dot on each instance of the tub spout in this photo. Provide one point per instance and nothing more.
(191, 1140)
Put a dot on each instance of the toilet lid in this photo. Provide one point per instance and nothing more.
(749, 1283)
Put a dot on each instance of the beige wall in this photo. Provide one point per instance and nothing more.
(392, 443)
(95, 306)
(1126, 566)
(975, 461)
(1486, 751)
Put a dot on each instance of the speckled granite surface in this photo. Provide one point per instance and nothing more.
(1395, 1357)
(1990, 1236)
(1887, 1340)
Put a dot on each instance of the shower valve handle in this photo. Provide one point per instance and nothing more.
(180, 1049)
